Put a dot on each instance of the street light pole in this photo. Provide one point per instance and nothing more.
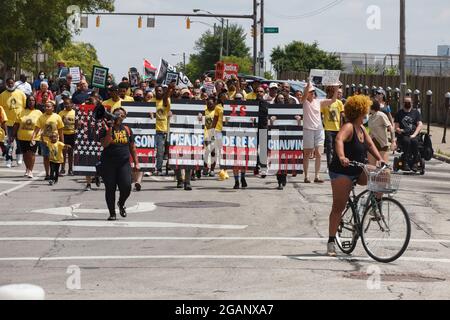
(221, 40)
(255, 36)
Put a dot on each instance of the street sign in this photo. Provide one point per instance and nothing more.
(271, 30)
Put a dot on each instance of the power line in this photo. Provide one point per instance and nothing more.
(308, 14)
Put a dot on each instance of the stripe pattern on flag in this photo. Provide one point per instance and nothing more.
(285, 139)
(87, 148)
(240, 135)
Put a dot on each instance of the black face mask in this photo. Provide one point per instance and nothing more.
(138, 99)
(407, 106)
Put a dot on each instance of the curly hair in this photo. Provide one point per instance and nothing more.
(357, 106)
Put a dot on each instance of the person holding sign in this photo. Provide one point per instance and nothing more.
(313, 134)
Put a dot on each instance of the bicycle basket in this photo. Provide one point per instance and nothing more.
(383, 181)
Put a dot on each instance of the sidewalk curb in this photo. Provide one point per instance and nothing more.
(441, 157)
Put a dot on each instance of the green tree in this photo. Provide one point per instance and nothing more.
(26, 23)
(208, 50)
(300, 56)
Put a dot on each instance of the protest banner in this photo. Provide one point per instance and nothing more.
(225, 70)
(168, 73)
(134, 77)
(240, 135)
(285, 139)
(186, 135)
(87, 148)
(143, 128)
(149, 70)
(99, 77)
(76, 74)
(325, 77)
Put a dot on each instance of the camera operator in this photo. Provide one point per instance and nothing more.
(118, 144)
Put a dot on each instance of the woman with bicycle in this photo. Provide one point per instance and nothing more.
(352, 144)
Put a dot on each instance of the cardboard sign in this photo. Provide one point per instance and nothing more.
(76, 74)
(225, 70)
(325, 77)
(168, 73)
(99, 77)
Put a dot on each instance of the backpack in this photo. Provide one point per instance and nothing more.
(428, 151)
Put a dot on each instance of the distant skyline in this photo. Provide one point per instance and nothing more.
(342, 28)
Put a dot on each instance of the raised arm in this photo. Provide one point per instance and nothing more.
(329, 102)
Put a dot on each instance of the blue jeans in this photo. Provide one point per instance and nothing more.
(11, 145)
(160, 144)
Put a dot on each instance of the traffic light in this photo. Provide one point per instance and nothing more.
(140, 22)
(188, 23)
(97, 21)
(252, 32)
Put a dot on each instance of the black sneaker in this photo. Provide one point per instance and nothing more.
(122, 211)
(62, 172)
(414, 167)
(47, 178)
(198, 173)
(88, 187)
(51, 182)
(236, 185)
(138, 186)
(112, 218)
(71, 173)
(180, 184)
(280, 186)
(187, 187)
(243, 183)
(97, 181)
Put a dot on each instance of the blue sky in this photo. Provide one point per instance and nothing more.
(120, 44)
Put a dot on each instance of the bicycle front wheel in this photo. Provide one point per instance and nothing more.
(386, 230)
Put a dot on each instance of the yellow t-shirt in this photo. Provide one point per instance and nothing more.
(209, 119)
(49, 124)
(13, 103)
(332, 116)
(27, 121)
(56, 151)
(128, 99)
(112, 105)
(219, 113)
(162, 114)
(68, 118)
(250, 96)
(3, 118)
(2, 135)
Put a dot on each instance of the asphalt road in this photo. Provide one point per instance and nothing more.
(213, 242)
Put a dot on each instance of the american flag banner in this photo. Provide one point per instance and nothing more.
(88, 148)
(285, 139)
(143, 128)
(240, 135)
(186, 135)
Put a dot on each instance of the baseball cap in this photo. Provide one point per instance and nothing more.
(65, 95)
(381, 91)
(273, 85)
(238, 96)
(185, 90)
(312, 89)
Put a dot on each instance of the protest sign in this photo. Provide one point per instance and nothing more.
(285, 139)
(76, 74)
(240, 135)
(225, 70)
(143, 128)
(134, 77)
(325, 77)
(99, 77)
(87, 148)
(186, 135)
(168, 73)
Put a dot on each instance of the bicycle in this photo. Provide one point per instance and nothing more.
(381, 221)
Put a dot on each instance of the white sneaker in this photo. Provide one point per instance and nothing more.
(146, 174)
(9, 164)
(30, 175)
(19, 159)
(331, 249)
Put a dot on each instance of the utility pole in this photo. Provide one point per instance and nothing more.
(255, 38)
(221, 40)
(402, 61)
(261, 49)
(184, 62)
(228, 39)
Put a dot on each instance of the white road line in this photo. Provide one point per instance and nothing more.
(10, 182)
(22, 185)
(219, 257)
(195, 239)
(73, 210)
(120, 224)
(16, 171)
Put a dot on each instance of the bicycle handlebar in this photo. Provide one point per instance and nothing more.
(362, 165)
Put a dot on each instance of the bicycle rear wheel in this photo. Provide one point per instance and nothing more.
(385, 230)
